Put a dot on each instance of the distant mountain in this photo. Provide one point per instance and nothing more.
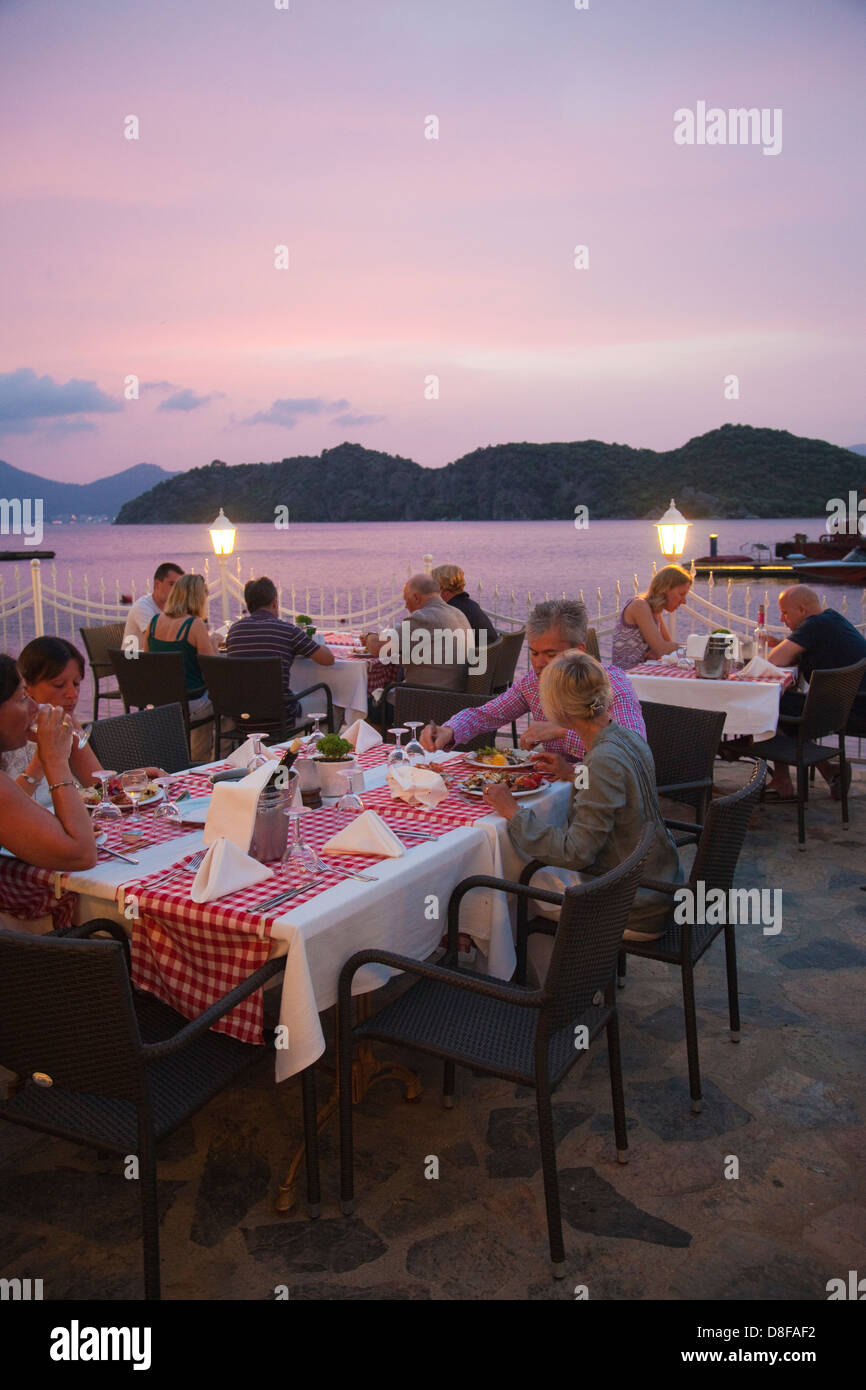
(105, 497)
(857, 448)
(733, 471)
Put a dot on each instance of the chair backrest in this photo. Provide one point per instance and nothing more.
(683, 742)
(149, 737)
(247, 689)
(97, 642)
(508, 657)
(437, 707)
(591, 923)
(482, 683)
(66, 1011)
(725, 825)
(828, 703)
(149, 678)
(592, 646)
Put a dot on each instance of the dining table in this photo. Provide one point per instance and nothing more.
(750, 703)
(353, 679)
(190, 954)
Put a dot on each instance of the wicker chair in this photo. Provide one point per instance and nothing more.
(150, 679)
(97, 642)
(827, 710)
(482, 682)
(509, 655)
(112, 1068)
(592, 646)
(435, 707)
(683, 743)
(525, 1036)
(247, 691)
(719, 846)
(148, 738)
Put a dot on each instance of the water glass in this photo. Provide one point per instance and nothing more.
(79, 736)
(414, 752)
(398, 753)
(134, 783)
(104, 814)
(349, 802)
(167, 810)
(298, 856)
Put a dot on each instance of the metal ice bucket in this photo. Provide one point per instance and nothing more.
(716, 663)
(271, 826)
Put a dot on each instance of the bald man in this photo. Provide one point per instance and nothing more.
(427, 611)
(821, 640)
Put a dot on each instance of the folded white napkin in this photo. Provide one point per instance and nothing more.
(361, 735)
(226, 869)
(696, 645)
(416, 785)
(243, 756)
(758, 666)
(367, 834)
(232, 812)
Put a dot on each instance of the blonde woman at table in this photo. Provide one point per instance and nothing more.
(180, 627)
(607, 817)
(63, 840)
(641, 633)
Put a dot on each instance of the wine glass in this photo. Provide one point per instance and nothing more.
(104, 814)
(349, 802)
(297, 854)
(398, 753)
(79, 736)
(413, 750)
(134, 783)
(258, 757)
(313, 739)
(167, 809)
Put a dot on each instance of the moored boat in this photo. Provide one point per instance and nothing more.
(850, 570)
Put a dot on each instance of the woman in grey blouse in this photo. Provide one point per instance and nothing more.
(606, 817)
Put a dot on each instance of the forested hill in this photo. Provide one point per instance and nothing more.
(733, 471)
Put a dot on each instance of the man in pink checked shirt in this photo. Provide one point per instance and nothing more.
(553, 627)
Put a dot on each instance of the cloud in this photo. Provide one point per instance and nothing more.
(286, 412)
(27, 401)
(158, 386)
(188, 400)
(357, 419)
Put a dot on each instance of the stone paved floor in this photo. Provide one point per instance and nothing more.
(787, 1104)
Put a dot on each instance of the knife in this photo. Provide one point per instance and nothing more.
(282, 897)
(127, 858)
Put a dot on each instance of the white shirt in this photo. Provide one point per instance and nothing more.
(138, 620)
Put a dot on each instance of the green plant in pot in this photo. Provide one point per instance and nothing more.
(335, 759)
(305, 621)
(333, 749)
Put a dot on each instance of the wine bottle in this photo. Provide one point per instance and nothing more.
(279, 778)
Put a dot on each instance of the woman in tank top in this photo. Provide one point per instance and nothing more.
(641, 633)
(180, 627)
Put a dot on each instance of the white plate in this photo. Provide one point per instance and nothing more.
(532, 791)
(472, 761)
(145, 801)
(194, 812)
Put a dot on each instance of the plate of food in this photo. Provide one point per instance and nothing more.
(498, 757)
(523, 784)
(90, 795)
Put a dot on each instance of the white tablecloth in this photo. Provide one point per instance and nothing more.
(752, 707)
(391, 914)
(347, 681)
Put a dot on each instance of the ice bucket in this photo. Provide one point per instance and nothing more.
(271, 826)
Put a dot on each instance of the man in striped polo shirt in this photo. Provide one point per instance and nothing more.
(264, 633)
(552, 628)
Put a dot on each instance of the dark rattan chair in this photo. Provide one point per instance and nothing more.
(247, 692)
(150, 679)
(683, 743)
(525, 1036)
(112, 1068)
(509, 655)
(148, 738)
(719, 846)
(97, 643)
(436, 707)
(826, 711)
(482, 682)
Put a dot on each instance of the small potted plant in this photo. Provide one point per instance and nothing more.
(336, 759)
(306, 622)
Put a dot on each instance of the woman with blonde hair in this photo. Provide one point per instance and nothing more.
(641, 633)
(606, 816)
(180, 627)
(452, 588)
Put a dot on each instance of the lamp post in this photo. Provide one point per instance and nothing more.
(222, 535)
(672, 528)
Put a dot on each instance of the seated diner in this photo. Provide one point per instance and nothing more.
(641, 633)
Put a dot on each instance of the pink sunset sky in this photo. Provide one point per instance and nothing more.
(411, 257)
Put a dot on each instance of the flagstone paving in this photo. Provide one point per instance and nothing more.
(783, 1109)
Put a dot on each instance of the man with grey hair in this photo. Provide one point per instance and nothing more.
(552, 628)
(427, 657)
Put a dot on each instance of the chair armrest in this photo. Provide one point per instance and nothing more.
(665, 788)
(152, 1052)
(690, 827)
(101, 924)
(659, 885)
(510, 994)
(329, 700)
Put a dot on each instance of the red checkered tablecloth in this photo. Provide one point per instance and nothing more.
(28, 893)
(379, 674)
(190, 954)
(784, 678)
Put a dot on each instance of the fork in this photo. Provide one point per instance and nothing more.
(192, 867)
